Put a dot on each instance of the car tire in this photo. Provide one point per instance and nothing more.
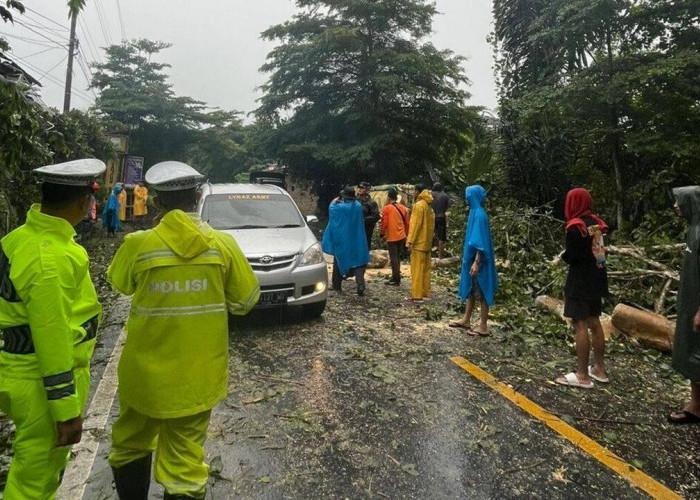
(313, 311)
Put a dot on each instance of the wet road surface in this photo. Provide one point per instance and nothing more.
(365, 403)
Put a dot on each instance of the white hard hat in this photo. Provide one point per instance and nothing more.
(72, 173)
(173, 176)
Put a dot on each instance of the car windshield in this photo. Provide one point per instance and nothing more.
(250, 211)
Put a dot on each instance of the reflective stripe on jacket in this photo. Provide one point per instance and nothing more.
(49, 310)
(185, 278)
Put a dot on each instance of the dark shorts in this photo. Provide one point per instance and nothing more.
(578, 309)
(441, 229)
(476, 290)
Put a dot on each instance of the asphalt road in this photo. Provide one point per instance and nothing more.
(365, 403)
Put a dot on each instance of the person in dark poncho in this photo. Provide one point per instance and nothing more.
(686, 344)
(479, 280)
(110, 214)
(586, 286)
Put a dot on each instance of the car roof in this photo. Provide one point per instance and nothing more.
(231, 188)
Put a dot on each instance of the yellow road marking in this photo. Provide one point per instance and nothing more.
(654, 488)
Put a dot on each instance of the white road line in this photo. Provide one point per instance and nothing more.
(79, 468)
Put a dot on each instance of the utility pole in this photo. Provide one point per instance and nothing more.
(71, 53)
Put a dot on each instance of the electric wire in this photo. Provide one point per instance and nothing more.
(57, 42)
(89, 42)
(41, 52)
(34, 41)
(43, 16)
(121, 20)
(103, 24)
(87, 72)
(52, 79)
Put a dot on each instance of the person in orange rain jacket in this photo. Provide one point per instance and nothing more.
(394, 229)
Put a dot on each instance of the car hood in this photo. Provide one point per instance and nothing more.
(273, 242)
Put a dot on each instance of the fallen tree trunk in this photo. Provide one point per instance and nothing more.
(556, 307)
(651, 330)
(447, 262)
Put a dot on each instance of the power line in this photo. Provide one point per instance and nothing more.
(48, 19)
(41, 52)
(50, 78)
(87, 73)
(121, 20)
(89, 42)
(59, 43)
(103, 24)
(31, 40)
(52, 68)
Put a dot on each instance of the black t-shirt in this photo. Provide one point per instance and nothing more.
(441, 203)
(586, 279)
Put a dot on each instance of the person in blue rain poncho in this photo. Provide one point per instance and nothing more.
(345, 239)
(110, 214)
(479, 280)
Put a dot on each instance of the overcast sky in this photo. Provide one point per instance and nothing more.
(217, 48)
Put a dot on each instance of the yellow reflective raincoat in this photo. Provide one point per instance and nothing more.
(140, 201)
(420, 236)
(49, 315)
(422, 226)
(122, 205)
(185, 278)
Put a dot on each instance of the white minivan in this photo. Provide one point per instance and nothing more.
(275, 238)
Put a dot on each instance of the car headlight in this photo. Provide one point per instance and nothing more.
(312, 256)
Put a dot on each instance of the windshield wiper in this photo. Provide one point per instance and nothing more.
(284, 226)
(247, 226)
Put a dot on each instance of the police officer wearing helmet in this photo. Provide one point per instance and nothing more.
(185, 278)
(49, 315)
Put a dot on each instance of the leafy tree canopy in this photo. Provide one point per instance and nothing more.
(355, 90)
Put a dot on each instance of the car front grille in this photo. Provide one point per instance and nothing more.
(269, 263)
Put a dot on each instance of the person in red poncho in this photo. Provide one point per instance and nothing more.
(586, 286)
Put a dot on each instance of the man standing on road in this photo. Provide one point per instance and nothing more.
(441, 204)
(370, 210)
(394, 228)
(420, 243)
(686, 344)
(185, 278)
(49, 315)
(344, 238)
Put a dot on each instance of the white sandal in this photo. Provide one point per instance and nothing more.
(571, 380)
(595, 377)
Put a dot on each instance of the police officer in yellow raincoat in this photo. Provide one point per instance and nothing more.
(185, 278)
(49, 315)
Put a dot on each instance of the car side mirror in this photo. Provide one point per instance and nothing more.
(310, 219)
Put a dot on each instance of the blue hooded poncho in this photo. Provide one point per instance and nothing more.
(345, 237)
(110, 214)
(478, 238)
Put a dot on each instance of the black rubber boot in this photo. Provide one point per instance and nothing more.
(133, 479)
(168, 496)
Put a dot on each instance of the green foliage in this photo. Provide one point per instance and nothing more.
(356, 92)
(600, 93)
(135, 91)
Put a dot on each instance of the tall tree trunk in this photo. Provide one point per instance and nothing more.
(614, 140)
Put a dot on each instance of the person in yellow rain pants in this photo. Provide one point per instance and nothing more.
(122, 204)
(49, 315)
(140, 203)
(420, 243)
(185, 278)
